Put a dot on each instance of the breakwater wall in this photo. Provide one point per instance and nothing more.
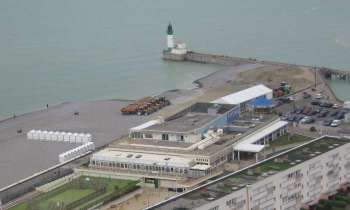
(191, 56)
(208, 58)
(328, 73)
(205, 58)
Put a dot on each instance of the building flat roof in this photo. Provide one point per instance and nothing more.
(188, 119)
(185, 123)
(244, 95)
(181, 148)
(114, 155)
(252, 174)
(247, 144)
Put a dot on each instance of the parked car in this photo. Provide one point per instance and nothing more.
(312, 113)
(340, 116)
(334, 113)
(335, 123)
(291, 118)
(284, 100)
(318, 96)
(307, 110)
(299, 110)
(335, 106)
(323, 113)
(298, 118)
(306, 95)
(326, 104)
(327, 122)
(307, 120)
(315, 103)
(284, 117)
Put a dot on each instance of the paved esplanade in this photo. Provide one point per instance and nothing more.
(20, 158)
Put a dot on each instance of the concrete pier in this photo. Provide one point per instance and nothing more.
(196, 57)
(335, 74)
(208, 58)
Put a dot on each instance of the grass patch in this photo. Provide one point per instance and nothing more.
(81, 193)
(289, 139)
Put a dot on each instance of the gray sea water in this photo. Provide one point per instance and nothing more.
(70, 50)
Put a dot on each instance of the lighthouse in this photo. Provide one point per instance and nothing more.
(170, 37)
(174, 51)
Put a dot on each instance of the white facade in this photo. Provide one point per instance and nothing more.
(111, 159)
(179, 49)
(170, 41)
(290, 189)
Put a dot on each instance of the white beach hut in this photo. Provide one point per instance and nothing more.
(67, 137)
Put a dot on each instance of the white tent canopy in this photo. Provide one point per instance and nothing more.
(245, 95)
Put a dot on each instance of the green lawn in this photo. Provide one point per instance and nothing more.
(66, 197)
(78, 190)
(22, 206)
(284, 140)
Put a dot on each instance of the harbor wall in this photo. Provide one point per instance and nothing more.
(207, 58)
(216, 59)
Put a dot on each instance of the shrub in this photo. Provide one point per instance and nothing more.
(313, 129)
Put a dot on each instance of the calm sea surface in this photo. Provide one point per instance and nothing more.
(70, 50)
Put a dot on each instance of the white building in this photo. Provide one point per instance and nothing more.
(141, 162)
(172, 47)
(256, 142)
(188, 125)
(166, 161)
(289, 181)
(244, 97)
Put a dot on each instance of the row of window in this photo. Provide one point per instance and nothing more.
(165, 136)
(140, 167)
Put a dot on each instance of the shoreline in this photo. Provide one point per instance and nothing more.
(103, 119)
(198, 85)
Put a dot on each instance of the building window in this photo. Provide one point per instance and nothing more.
(136, 135)
(182, 138)
(214, 208)
(165, 136)
(148, 136)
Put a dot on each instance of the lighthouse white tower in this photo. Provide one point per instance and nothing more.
(174, 51)
(170, 37)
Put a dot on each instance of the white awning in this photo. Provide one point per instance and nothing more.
(255, 148)
(245, 95)
(200, 167)
(144, 125)
(247, 144)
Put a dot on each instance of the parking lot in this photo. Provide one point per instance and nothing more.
(312, 109)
